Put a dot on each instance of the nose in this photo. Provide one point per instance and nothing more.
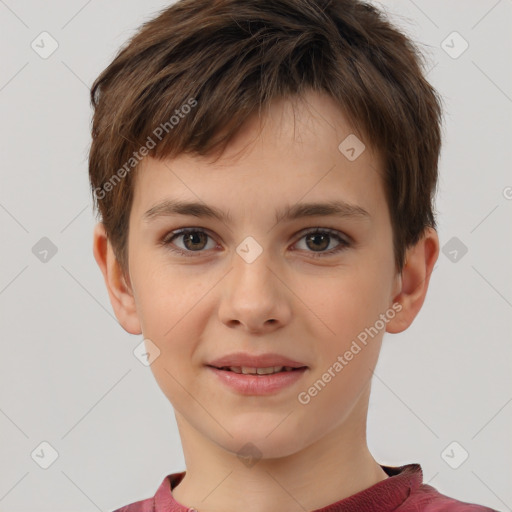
(254, 298)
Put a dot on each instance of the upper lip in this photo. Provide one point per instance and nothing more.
(254, 361)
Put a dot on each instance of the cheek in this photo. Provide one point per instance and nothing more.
(348, 346)
(347, 303)
(172, 317)
(168, 297)
(351, 311)
(175, 323)
(333, 394)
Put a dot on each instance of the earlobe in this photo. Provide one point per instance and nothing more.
(120, 292)
(414, 280)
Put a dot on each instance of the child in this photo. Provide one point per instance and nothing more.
(264, 128)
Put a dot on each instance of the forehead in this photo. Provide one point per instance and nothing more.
(300, 151)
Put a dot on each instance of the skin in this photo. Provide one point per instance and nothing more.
(195, 309)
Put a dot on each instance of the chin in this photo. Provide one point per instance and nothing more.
(254, 442)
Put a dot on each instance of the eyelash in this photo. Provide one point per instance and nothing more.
(169, 237)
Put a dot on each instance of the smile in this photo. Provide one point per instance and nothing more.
(257, 381)
(258, 371)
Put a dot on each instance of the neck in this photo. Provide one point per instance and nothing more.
(329, 469)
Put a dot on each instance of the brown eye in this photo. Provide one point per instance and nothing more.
(318, 240)
(193, 240)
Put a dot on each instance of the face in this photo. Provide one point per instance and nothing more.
(303, 286)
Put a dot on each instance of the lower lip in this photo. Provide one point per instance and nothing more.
(258, 384)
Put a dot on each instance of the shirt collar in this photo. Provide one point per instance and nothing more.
(384, 496)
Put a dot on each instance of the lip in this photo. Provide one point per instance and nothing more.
(255, 361)
(258, 384)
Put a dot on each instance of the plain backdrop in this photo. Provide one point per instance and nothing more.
(68, 375)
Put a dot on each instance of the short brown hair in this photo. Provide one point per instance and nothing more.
(232, 57)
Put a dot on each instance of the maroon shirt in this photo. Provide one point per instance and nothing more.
(403, 491)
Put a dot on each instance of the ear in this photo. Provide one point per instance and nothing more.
(413, 281)
(119, 289)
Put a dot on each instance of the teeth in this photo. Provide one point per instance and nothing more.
(272, 369)
(246, 370)
(259, 371)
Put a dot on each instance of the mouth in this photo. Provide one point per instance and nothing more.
(271, 370)
(258, 381)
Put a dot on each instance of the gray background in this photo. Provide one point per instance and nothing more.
(67, 372)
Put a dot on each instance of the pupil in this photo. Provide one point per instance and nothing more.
(325, 238)
(192, 237)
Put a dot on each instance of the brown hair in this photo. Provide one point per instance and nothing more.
(200, 68)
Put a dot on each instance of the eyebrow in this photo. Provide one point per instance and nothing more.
(168, 208)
